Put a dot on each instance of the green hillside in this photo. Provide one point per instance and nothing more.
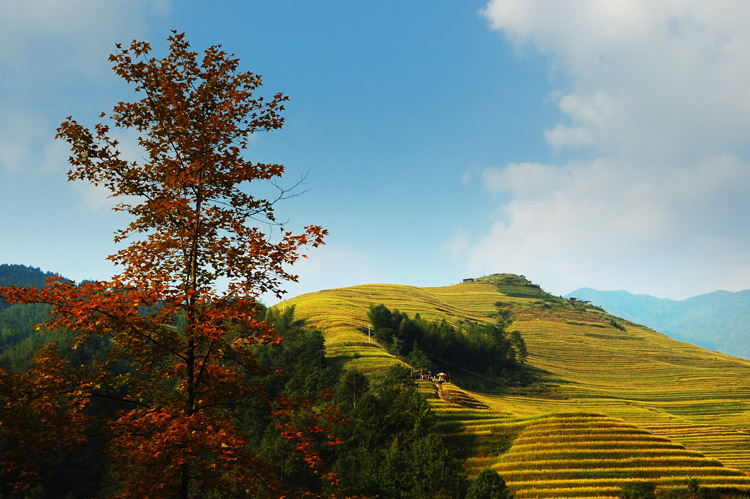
(717, 321)
(624, 404)
(18, 344)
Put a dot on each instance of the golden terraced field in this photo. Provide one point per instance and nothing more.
(613, 403)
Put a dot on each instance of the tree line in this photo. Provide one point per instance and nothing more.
(18, 339)
(486, 349)
(386, 441)
(192, 389)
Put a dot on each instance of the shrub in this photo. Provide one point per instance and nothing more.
(488, 485)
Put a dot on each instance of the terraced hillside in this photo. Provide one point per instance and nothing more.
(587, 455)
(691, 400)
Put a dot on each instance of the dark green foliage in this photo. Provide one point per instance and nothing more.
(19, 338)
(517, 286)
(519, 346)
(299, 363)
(419, 360)
(639, 490)
(392, 449)
(21, 275)
(80, 472)
(483, 349)
(382, 319)
(693, 487)
(617, 325)
(488, 485)
(18, 343)
(390, 446)
(295, 368)
(432, 471)
(504, 315)
(350, 389)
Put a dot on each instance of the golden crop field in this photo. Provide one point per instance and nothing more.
(614, 402)
(581, 453)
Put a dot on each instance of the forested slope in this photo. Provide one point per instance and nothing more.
(17, 341)
(581, 361)
(602, 406)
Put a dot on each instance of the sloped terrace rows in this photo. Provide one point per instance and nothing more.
(597, 456)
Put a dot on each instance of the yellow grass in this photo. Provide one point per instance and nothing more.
(654, 395)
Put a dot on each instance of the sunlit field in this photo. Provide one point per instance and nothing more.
(611, 402)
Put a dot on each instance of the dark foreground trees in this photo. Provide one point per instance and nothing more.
(169, 396)
(186, 389)
(391, 446)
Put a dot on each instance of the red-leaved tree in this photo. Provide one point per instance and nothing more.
(181, 318)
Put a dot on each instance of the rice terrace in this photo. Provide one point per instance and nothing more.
(608, 407)
(167, 169)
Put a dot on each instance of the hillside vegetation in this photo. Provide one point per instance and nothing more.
(390, 446)
(607, 404)
(717, 321)
(17, 322)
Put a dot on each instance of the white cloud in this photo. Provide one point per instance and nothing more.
(54, 158)
(601, 224)
(661, 90)
(92, 198)
(565, 136)
(19, 132)
(53, 60)
(666, 77)
(457, 246)
(75, 34)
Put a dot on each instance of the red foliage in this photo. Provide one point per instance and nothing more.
(188, 345)
(42, 414)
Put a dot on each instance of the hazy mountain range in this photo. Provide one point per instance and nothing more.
(717, 321)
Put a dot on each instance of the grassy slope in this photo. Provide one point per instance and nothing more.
(717, 321)
(672, 390)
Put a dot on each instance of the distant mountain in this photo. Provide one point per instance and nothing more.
(21, 275)
(717, 321)
(18, 343)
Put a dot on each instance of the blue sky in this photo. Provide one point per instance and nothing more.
(584, 143)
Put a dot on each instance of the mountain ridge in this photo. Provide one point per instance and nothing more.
(596, 375)
(718, 321)
(609, 402)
